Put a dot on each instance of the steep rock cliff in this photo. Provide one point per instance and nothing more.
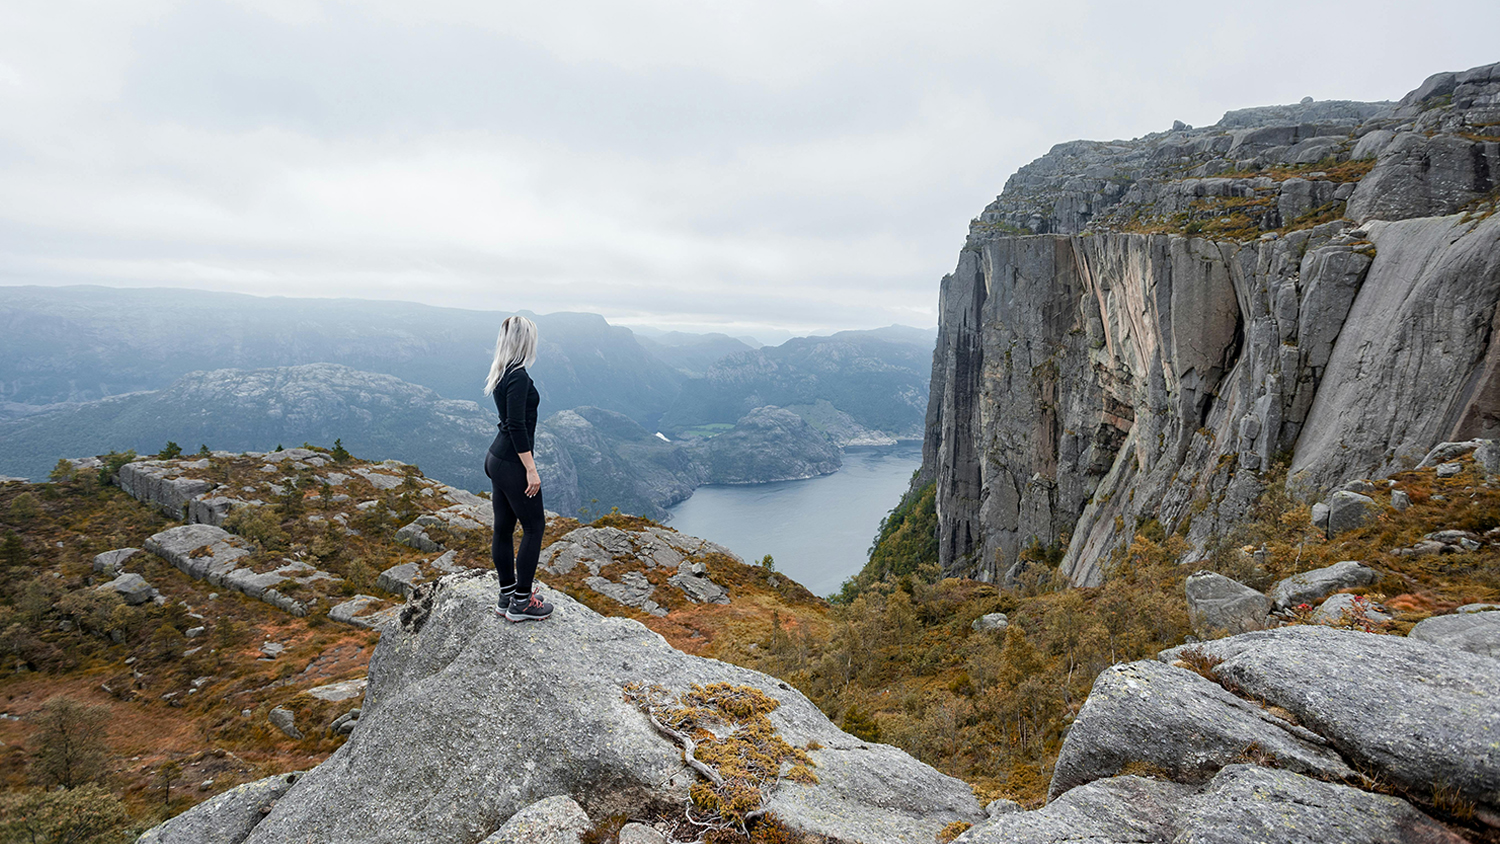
(1140, 329)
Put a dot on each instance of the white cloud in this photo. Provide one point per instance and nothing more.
(810, 165)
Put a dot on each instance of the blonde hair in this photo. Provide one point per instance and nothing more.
(516, 346)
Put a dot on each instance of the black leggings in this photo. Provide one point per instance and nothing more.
(511, 506)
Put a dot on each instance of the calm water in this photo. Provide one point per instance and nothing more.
(819, 530)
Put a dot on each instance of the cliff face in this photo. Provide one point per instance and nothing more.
(1140, 329)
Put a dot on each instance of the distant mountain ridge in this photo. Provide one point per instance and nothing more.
(62, 346)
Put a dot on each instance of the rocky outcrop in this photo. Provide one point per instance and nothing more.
(1137, 329)
(205, 552)
(1269, 738)
(132, 588)
(551, 693)
(656, 549)
(224, 818)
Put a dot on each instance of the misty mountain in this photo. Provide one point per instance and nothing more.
(880, 383)
(692, 354)
(376, 415)
(77, 344)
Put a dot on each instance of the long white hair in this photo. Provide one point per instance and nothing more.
(516, 346)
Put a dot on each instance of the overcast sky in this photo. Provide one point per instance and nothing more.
(707, 164)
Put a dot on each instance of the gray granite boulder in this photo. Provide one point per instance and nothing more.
(1348, 511)
(1487, 457)
(399, 580)
(996, 621)
(1110, 811)
(110, 562)
(1475, 632)
(1002, 806)
(131, 587)
(1312, 586)
(555, 820)
(456, 694)
(693, 580)
(1400, 500)
(286, 721)
(346, 690)
(226, 818)
(1242, 804)
(639, 833)
(1351, 608)
(1180, 723)
(655, 547)
(1414, 713)
(363, 611)
(415, 535)
(1218, 604)
(1247, 804)
(1320, 516)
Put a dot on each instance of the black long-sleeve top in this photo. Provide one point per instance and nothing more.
(517, 400)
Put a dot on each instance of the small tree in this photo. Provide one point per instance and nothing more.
(113, 462)
(167, 643)
(24, 508)
(768, 563)
(63, 471)
(84, 815)
(204, 452)
(172, 450)
(71, 748)
(339, 453)
(165, 776)
(13, 551)
(856, 723)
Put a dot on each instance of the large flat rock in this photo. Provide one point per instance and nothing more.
(1475, 632)
(468, 718)
(1418, 714)
(1242, 804)
(1179, 723)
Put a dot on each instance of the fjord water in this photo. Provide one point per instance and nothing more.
(818, 530)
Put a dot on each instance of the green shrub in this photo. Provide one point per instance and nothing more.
(84, 815)
(261, 524)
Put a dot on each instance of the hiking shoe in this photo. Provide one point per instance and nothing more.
(504, 601)
(528, 609)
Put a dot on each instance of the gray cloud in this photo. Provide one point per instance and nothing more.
(742, 165)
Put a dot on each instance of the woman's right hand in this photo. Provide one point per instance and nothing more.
(533, 482)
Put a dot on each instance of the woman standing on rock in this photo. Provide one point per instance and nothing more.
(517, 493)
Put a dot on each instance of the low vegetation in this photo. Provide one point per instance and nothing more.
(117, 716)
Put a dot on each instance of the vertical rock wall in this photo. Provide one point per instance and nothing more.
(1128, 370)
